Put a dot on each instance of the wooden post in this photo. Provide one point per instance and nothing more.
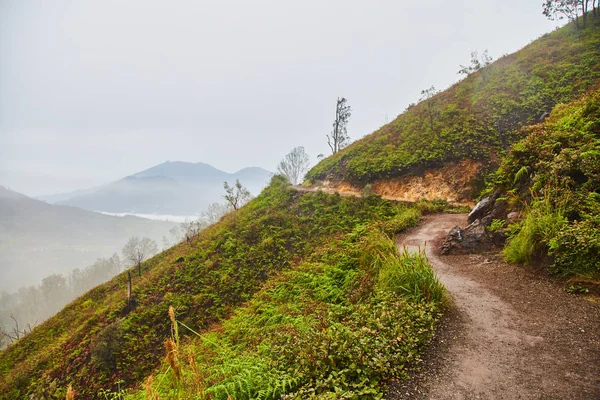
(129, 291)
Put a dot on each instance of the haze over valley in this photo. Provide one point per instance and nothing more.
(364, 200)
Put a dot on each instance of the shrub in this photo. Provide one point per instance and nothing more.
(405, 219)
(106, 346)
(531, 241)
(576, 249)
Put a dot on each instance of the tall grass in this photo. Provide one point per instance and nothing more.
(410, 275)
(544, 220)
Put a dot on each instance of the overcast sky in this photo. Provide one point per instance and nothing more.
(91, 91)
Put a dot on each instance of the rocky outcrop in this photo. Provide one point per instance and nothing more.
(477, 236)
(474, 238)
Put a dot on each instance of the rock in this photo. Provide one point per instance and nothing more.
(453, 240)
(512, 217)
(482, 208)
(473, 239)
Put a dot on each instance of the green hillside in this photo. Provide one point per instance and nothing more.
(552, 177)
(479, 117)
(305, 294)
(95, 342)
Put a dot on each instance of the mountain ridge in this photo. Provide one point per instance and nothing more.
(172, 188)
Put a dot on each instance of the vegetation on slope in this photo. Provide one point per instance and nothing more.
(96, 341)
(338, 325)
(479, 117)
(553, 177)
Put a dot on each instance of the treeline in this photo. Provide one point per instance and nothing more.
(22, 310)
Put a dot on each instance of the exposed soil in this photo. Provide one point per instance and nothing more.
(454, 182)
(512, 333)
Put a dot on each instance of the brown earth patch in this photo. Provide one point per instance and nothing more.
(454, 182)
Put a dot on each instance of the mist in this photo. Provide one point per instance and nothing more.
(94, 91)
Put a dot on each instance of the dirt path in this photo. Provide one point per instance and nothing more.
(512, 334)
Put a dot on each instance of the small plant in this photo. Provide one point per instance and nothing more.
(577, 289)
(496, 225)
(367, 190)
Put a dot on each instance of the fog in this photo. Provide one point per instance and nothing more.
(93, 91)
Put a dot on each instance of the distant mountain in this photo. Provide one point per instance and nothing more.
(38, 239)
(174, 188)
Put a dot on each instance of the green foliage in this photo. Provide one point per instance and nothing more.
(406, 218)
(338, 326)
(476, 118)
(560, 186)
(496, 225)
(411, 277)
(440, 206)
(105, 346)
(530, 243)
(205, 280)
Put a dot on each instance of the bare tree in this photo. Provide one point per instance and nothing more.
(570, 9)
(477, 63)
(138, 250)
(186, 230)
(338, 139)
(236, 195)
(214, 212)
(294, 165)
(15, 333)
(191, 229)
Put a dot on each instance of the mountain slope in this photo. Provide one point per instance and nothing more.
(97, 340)
(38, 239)
(476, 119)
(172, 188)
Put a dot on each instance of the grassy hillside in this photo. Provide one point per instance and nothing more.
(95, 342)
(553, 178)
(479, 117)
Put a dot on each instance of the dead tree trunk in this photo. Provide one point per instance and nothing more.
(128, 291)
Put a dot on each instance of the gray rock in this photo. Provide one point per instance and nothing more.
(512, 217)
(481, 208)
(473, 239)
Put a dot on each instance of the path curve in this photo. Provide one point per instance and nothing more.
(512, 334)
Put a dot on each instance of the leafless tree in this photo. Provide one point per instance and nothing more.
(338, 139)
(570, 9)
(15, 333)
(236, 195)
(478, 63)
(138, 250)
(214, 212)
(294, 165)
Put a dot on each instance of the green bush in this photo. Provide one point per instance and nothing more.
(106, 346)
(405, 219)
(576, 249)
(531, 241)
(560, 162)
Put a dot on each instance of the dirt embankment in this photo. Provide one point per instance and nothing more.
(454, 183)
(512, 334)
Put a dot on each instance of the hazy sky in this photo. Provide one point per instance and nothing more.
(91, 91)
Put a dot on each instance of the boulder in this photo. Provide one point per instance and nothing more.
(473, 239)
(512, 217)
(482, 208)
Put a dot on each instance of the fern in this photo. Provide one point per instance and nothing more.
(521, 173)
